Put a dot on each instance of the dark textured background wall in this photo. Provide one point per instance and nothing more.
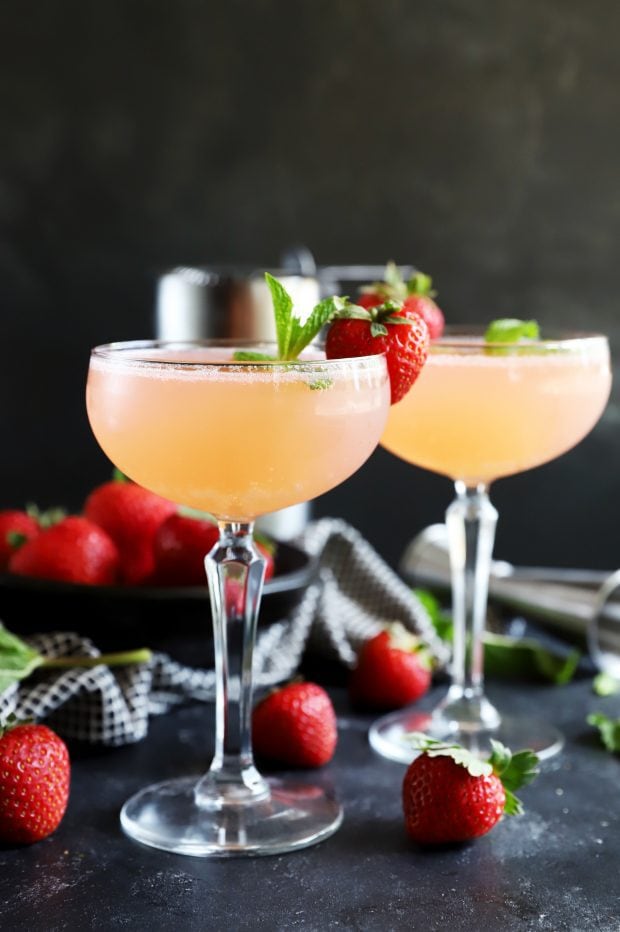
(479, 140)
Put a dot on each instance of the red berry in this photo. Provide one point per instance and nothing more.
(424, 306)
(131, 515)
(34, 783)
(74, 550)
(443, 802)
(405, 346)
(296, 725)
(14, 522)
(181, 545)
(392, 670)
(416, 295)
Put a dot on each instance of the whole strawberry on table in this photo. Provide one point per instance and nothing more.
(34, 782)
(450, 795)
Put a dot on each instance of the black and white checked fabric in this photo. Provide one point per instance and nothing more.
(354, 593)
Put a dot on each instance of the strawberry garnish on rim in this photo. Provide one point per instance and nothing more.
(383, 328)
(416, 296)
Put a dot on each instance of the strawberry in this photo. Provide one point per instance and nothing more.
(15, 528)
(181, 544)
(73, 550)
(34, 783)
(383, 329)
(131, 515)
(416, 296)
(393, 669)
(296, 725)
(450, 795)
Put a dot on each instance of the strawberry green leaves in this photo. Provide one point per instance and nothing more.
(292, 335)
(515, 771)
(511, 330)
(460, 755)
(609, 729)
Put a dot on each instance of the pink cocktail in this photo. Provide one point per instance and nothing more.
(237, 439)
(477, 413)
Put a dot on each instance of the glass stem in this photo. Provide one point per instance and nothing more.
(471, 521)
(235, 572)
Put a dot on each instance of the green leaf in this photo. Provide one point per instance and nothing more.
(507, 656)
(525, 657)
(283, 313)
(378, 330)
(17, 659)
(609, 729)
(461, 756)
(392, 276)
(421, 284)
(511, 330)
(118, 476)
(441, 620)
(250, 356)
(515, 771)
(320, 384)
(324, 311)
(604, 684)
(15, 539)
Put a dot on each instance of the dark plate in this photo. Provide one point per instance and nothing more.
(176, 620)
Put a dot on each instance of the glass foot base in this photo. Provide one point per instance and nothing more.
(387, 735)
(166, 816)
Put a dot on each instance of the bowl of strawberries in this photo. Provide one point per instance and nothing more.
(127, 570)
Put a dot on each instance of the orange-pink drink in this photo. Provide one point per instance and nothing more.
(236, 440)
(478, 413)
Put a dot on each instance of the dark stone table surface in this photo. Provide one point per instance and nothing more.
(553, 869)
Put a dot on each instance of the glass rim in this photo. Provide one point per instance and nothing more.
(472, 337)
(129, 352)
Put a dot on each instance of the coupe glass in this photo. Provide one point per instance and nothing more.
(237, 439)
(479, 412)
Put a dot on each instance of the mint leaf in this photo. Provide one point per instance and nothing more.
(604, 684)
(507, 656)
(17, 659)
(324, 311)
(461, 756)
(511, 330)
(320, 385)
(609, 729)
(525, 657)
(250, 356)
(441, 620)
(283, 313)
(292, 335)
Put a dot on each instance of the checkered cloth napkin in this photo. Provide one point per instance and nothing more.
(354, 592)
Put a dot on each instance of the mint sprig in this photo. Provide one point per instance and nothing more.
(293, 336)
(508, 656)
(511, 330)
(609, 729)
(18, 660)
